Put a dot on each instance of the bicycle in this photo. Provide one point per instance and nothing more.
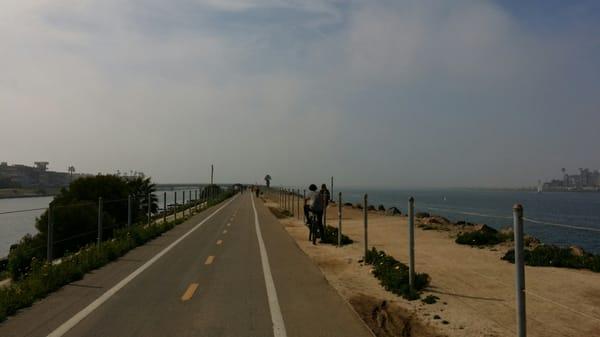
(314, 230)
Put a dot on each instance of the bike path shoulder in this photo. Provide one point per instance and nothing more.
(310, 306)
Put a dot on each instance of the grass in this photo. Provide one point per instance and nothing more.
(331, 237)
(554, 256)
(44, 278)
(394, 275)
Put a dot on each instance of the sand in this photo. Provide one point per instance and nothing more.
(475, 287)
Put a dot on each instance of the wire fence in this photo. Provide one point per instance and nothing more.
(59, 233)
(543, 299)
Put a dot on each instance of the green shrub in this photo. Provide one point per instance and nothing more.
(482, 237)
(394, 275)
(20, 257)
(331, 237)
(40, 278)
(554, 256)
(430, 299)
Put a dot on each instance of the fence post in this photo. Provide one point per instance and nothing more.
(190, 201)
(303, 201)
(164, 207)
(411, 242)
(298, 202)
(183, 204)
(175, 205)
(99, 221)
(339, 219)
(324, 203)
(331, 192)
(365, 199)
(520, 271)
(129, 210)
(49, 253)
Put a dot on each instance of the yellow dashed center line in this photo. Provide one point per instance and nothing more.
(219, 242)
(189, 292)
(209, 260)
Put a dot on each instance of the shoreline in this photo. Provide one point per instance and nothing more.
(474, 286)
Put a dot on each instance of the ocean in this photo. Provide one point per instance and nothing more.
(561, 218)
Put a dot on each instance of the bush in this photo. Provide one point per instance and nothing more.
(485, 236)
(394, 276)
(39, 278)
(554, 256)
(331, 237)
(420, 215)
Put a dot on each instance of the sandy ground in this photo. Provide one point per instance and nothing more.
(475, 287)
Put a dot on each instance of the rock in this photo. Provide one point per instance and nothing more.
(393, 211)
(421, 215)
(371, 208)
(381, 208)
(577, 251)
(485, 229)
(439, 220)
(464, 223)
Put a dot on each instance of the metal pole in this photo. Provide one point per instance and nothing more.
(212, 172)
(129, 210)
(520, 271)
(411, 242)
(293, 202)
(331, 192)
(190, 201)
(298, 202)
(164, 207)
(99, 221)
(366, 224)
(175, 207)
(324, 212)
(49, 254)
(339, 219)
(183, 204)
(304, 200)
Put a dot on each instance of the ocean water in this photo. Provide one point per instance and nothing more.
(14, 226)
(561, 218)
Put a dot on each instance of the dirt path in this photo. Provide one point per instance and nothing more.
(475, 287)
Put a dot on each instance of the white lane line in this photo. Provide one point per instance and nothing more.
(276, 316)
(78, 317)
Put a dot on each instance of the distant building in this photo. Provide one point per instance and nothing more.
(586, 180)
(38, 176)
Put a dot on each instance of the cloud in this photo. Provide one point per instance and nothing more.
(407, 93)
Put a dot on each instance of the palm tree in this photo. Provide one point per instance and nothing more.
(141, 188)
(268, 180)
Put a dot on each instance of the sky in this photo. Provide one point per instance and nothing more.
(398, 94)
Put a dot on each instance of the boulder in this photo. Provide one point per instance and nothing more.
(393, 211)
(421, 215)
(577, 251)
(485, 229)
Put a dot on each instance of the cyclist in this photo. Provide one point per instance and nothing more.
(314, 204)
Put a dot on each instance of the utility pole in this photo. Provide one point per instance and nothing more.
(212, 172)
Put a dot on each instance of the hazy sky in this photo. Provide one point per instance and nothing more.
(377, 93)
